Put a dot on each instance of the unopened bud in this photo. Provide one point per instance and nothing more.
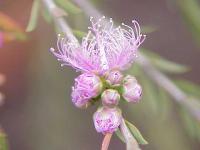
(110, 98)
(114, 77)
(87, 86)
(132, 91)
(107, 120)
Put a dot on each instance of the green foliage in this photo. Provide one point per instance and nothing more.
(159, 101)
(190, 124)
(68, 6)
(46, 15)
(189, 87)
(150, 93)
(3, 141)
(34, 16)
(164, 103)
(190, 10)
(79, 33)
(120, 136)
(163, 64)
(154, 97)
(148, 29)
(136, 133)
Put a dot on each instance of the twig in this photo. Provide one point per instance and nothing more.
(58, 16)
(158, 77)
(131, 143)
(163, 81)
(106, 141)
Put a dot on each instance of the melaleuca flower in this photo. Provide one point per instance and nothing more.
(114, 77)
(103, 49)
(107, 120)
(110, 98)
(132, 91)
(87, 86)
(101, 57)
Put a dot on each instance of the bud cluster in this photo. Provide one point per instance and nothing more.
(108, 88)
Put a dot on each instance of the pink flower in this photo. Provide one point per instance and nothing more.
(87, 86)
(104, 48)
(132, 91)
(107, 120)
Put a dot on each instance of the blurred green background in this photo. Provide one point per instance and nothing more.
(38, 113)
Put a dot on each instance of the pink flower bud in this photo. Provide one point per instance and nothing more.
(107, 120)
(87, 86)
(114, 77)
(129, 79)
(110, 98)
(132, 91)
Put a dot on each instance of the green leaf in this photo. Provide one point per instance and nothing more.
(170, 67)
(190, 10)
(136, 133)
(150, 93)
(46, 15)
(164, 64)
(148, 29)
(34, 16)
(188, 87)
(188, 122)
(164, 103)
(3, 141)
(79, 33)
(120, 136)
(68, 6)
(136, 70)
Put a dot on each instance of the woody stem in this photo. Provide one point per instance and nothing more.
(106, 141)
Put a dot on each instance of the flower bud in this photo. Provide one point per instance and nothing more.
(110, 98)
(132, 91)
(114, 77)
(87, 86)
(107, 120)
(129, 79)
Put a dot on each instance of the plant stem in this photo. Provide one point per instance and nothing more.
(106, 141)
(58, 15)
(131, 143)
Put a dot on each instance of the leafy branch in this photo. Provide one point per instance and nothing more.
(150, 65)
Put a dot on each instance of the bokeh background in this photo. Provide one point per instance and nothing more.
(38, 113)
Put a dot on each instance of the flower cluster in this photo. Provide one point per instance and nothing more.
(104, 52)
